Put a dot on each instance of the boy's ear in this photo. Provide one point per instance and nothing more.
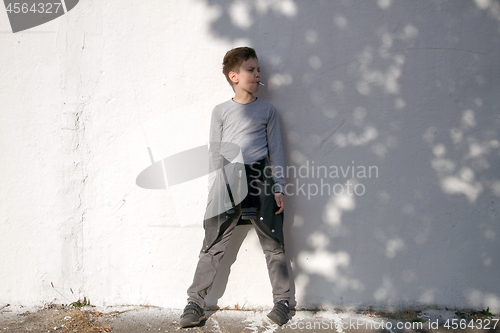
(233, 77)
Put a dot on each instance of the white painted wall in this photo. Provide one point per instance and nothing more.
(409, 87)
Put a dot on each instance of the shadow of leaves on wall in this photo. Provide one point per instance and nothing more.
(409, 88)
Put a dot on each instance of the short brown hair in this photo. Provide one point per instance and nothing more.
(234, 58)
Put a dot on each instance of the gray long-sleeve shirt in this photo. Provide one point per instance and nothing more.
(255, 128)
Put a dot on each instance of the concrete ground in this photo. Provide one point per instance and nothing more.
(56, 318)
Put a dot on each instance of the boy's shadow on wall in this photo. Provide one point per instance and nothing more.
(224, 269)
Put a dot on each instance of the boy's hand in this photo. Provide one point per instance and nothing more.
(280, 201)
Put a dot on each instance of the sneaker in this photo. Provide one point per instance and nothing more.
(193, 315)
(279, 313)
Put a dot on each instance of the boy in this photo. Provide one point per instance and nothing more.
(252, 126)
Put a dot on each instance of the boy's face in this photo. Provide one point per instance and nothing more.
(248, 76)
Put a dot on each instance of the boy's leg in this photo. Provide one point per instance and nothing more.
(276, 263)
(208, 263)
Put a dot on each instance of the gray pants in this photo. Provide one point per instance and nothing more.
(208, 262)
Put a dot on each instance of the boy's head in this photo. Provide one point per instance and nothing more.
(234, 58)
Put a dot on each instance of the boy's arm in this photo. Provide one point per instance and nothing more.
(276, 151)
(215, 138)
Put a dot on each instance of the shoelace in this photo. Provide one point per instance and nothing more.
(193, 307)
